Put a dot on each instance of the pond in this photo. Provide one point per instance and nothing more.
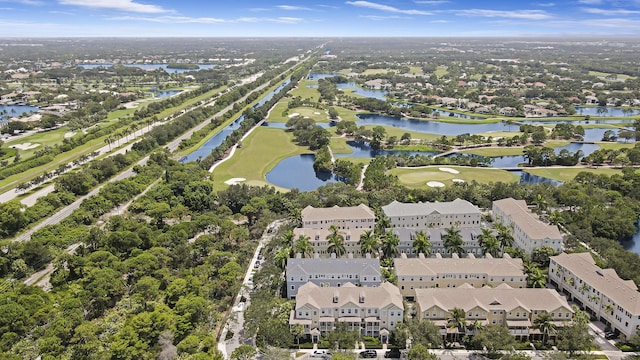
(633, 244)
(150, 67)
(317, 76)
(9, 111)
(297, 172)
(164, 93)
(433, 127)
(606, 111)
(216, 140)
(362, 149)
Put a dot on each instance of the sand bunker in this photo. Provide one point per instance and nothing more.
(316, 113)
(69, 134)
(293, 115)
(449, 170)
(234, 181)
(25, 146)
(435, 184)
(458, 181)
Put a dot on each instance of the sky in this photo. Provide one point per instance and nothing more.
(318, 18)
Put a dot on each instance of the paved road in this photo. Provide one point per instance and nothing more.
(235, 323)
(172, 146)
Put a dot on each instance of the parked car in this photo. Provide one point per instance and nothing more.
(323, 354)
(239, 307)
(393, 354)
(257, 265)
(368, 354)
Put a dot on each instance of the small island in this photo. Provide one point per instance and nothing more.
(183, 66)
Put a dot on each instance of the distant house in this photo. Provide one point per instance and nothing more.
(529, 231)
(438, 272)
(331, 272)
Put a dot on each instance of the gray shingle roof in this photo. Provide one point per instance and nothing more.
(519, 213)
(374, 297)
(361, 266)
(337, 213)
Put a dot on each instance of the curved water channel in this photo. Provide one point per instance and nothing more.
(15, 110)
(217, 139)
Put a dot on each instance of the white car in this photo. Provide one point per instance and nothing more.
(239, 307)
(320, 354)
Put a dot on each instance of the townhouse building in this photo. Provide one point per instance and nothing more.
(320, 243)
(436, 238)
(514, 308)
(459, 213)
(373, 311)
(529, 232)
(599, 292)
(351, 217)
(331, 272)
(438, 272)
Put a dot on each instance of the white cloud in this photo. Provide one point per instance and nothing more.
(123, 5)
(379, 18)
(614, 23)
(546, 4)
(293, 8)
(382, 7)
(590, 2)
(515, 14)
(608, 12)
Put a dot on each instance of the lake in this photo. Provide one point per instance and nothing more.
(633, 244)
(433, 127)
(150, 67)
(217, 139)
(9, 111)
(164, 93)
(605, 111)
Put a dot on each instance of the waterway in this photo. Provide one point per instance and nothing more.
(164, 93)
(151, 67)
(217, 139)
(9, 111)
(633, 244)
(605, 111)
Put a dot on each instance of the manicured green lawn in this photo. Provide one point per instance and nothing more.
(317, 115)
(415, 70)
(261, 151)
(441, 71)
(418, 177)
(567, 174)
(495, 151)
(305, 92)
(45, 138)
(275, 115)
(615, 145)
(339, 146)
(346, 114)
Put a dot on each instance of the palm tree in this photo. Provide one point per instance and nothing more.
(288, 239)
(485, 236)
(536, 278)
(421, 243)
(382, 224)
(369, 243)
(303, 246)
(452, 241)
(107, 140)
(281, 258)
(544, 323)
(336, 242)
(476, 326)
(457, 321)
(609, 308)
(389, 244)
(505, 235)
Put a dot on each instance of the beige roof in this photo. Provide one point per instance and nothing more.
(457, 206)
(623, 292)
(337, 213)
(433, 266)
(374, 297)
(502, 297)
(519, 213)
(353, 234)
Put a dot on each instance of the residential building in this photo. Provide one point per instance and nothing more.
(369, 310)
(436, 238)
(503, 305)
(320, 243)
(460, 213)
(439, 272)
(600, 292)
(331, 272)
(354, 217)
(529, 232)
